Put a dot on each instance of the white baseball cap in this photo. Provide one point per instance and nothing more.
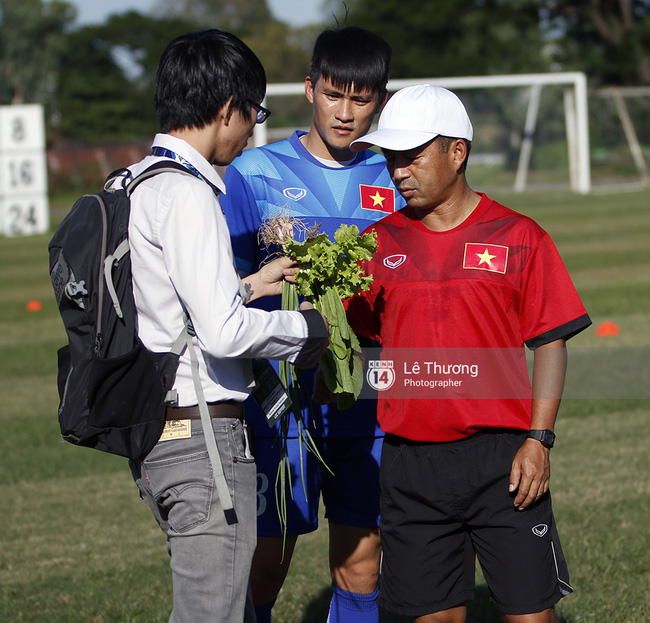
(415, 115)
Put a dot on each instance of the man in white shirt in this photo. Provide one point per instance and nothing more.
(208, 92)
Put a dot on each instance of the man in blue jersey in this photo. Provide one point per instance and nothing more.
(314, 175)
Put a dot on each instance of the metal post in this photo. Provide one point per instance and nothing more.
(527, 142)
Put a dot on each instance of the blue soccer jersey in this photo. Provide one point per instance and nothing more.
(285, 177)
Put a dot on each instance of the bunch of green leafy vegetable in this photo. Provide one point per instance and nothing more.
(329, 272)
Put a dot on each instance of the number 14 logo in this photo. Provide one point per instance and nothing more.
(380, 378)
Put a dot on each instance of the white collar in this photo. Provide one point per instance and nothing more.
(185, 150)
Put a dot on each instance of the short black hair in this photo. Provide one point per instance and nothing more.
(199, 72)
(351, 55)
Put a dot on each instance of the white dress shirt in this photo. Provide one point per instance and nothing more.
(181, 252)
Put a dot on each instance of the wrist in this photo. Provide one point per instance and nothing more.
(545, 436)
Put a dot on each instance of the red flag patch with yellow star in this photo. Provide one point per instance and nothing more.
(377, 198)
(481, 256)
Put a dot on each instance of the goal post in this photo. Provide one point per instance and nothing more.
(618, 95)
(575, 112)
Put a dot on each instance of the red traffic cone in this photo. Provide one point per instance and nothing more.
(34, 306)
(607, 329)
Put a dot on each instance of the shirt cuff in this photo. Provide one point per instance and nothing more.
(317, 338)
(565, 331)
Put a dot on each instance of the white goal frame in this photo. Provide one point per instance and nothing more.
(575, 114)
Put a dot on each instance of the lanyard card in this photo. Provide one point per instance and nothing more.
(269, 393)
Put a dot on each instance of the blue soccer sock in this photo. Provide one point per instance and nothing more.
(347, 607)
(263, 613)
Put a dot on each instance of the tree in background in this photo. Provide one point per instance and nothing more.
(285, 51)
(32, 40)
(97, 81)
(441, 38)
(447, 38)
(240, 17)
(107, 78)
(607, 39)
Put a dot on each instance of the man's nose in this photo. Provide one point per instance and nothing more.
(400, 171)
(345, 111)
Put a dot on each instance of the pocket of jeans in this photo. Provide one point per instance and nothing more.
(182, 488)
(239, 443)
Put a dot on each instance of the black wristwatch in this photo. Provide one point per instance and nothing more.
(546, 437)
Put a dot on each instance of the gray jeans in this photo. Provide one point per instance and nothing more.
(210, 560)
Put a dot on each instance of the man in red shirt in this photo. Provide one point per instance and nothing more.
(461, 284)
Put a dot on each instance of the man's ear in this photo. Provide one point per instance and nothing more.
(226, 112)
(309, 90)
(459, 148)
(383, 98)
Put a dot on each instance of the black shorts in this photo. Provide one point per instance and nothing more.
(442, 504)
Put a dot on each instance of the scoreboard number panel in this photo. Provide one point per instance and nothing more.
(24, 216)
(21, 128)
(23, 171)
(23, 174)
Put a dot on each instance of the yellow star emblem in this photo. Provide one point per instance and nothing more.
(377, 199)
(485, 258)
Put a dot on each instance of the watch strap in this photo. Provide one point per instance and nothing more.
(546, 437)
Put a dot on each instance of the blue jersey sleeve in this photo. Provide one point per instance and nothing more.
(240, 209)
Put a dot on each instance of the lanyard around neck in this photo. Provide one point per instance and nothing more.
(168, 153)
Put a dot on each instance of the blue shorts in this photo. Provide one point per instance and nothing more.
(445, 503)
(350, 493)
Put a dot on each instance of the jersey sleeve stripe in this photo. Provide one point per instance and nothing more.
(565, 331)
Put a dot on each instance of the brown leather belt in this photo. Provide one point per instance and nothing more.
(224, 409)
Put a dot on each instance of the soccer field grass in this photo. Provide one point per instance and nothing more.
(78, 546)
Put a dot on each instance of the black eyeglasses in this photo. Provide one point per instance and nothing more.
(262, 113)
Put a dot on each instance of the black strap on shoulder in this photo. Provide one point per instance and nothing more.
(130, 183)
(165, 166)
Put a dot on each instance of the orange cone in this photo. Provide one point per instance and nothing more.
(607, 329)
(34, 306)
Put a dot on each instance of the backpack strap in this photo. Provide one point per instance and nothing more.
(208, 433)
(164, 166)
(171, 399)
(123, 172)
(183, 340)
(109, 261)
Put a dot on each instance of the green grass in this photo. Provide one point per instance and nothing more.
(78, 546)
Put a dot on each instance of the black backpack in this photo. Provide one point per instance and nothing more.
(113, 390)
